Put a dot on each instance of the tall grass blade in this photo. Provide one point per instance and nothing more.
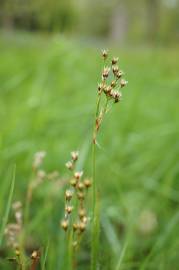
(7, 210)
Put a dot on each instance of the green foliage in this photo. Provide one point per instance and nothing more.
(47, 102)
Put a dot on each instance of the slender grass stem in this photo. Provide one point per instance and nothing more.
(95, 218)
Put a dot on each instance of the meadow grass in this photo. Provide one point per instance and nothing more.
(48, 90)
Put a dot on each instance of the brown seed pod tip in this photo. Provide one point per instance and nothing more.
(74, 155)
(68, 195)
(87, 183)
(73, 182)
(34, 255)
(64, 225)
(105, 54)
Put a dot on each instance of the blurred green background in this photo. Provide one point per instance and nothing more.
(50, 65)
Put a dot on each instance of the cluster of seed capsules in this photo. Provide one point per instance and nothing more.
(13, 230)
(75, 217)
(114, 74)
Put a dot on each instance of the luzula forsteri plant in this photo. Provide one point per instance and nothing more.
(110, 87)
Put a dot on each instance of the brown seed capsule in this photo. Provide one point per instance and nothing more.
(123, 82)
(78, 175)
(75, 155)
(80, 186)
(64, 225)
(119, 74)
(68, 195)
(69, 165)
(105, 73)
(87, 183)
(115, 70)
(75, 226)
(115, 60)
(17, 205)
(113, 84)
(100, 87)
(17, 252)
(34, 255)
(68, 209)
(82, 227)
(108, 90)
(82, 213)
(73, 182)
(81, 196)
(117, 96)
(104, 54)
(85, 220)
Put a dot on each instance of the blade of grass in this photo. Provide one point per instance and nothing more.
(7, 211)
(44, 258)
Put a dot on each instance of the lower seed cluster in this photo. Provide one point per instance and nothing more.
(75, 217)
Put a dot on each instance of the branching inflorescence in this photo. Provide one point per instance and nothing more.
(75, 218)
(111, 83)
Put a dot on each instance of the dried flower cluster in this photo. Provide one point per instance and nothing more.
(75, 196)
(13, 230)
(111, 83)
(40, 175)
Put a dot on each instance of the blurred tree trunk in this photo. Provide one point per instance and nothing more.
(153, 19)
(119, 23)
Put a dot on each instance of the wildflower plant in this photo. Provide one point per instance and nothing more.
(110, 87)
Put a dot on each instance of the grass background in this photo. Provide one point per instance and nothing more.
(47, 100)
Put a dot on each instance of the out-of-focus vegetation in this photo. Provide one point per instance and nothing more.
(48, 89)
(48, 85)
(119, 20)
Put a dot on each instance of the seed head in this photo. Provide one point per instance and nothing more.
(68, 195)
(115, 60)
(68, 209)
(117, 96)
(87, 183)
(38, 159)
(80, 186)
(108, 90)
(69, 165)
(123, 83)
(17, 252)
(105, 54)
(75, 226)
(81, 196)
(100, 87)
(82, 227)
(119, 74)
(17, 205)
(82, 213)
(74, 155)
(73, 182)
(85, 219)
(105, 73)
(115, 70)
(78, 175)
(64, 225)
(113, 84)
(34, 255)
